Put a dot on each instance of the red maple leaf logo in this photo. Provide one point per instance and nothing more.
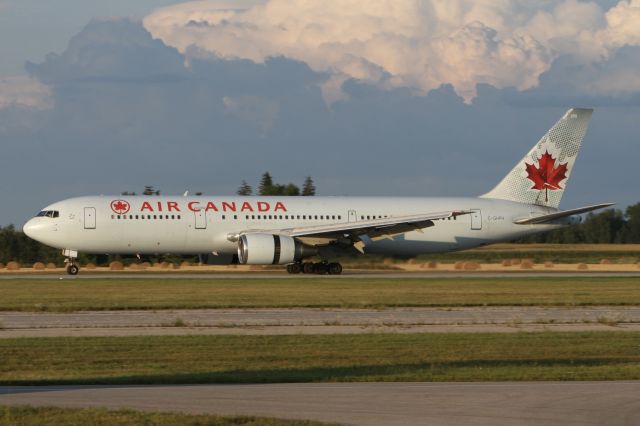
(120, 206)
(546, 176)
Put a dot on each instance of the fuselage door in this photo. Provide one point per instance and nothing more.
(353, 217)
(201, 219)
(476, 219)
(89, 218)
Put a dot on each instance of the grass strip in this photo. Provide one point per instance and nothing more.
(315, 358)
(53, 416)
(57, 295)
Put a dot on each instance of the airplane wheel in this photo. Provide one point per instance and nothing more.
(308, 268)
(321, 268)
(335, 268)
(73, 269)
(294, 268)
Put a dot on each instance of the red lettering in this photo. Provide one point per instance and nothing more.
(193, 206)
(263, 206)
(280, 206)
(211, 206)
(159, 206)
(246, 206)
(173, 206)
(230, 206)
(146, 206)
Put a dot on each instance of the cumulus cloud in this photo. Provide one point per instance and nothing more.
(25, 93)
(416, 44)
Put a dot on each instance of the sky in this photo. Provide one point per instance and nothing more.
(385, 97)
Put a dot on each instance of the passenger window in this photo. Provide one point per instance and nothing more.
(155, 216)
(235, 216)
(223, 217)
(178, 216)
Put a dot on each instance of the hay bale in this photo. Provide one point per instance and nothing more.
(146, 264)
(526, 264)
(388, 261)
(605, 262)
(134, 266)
(1, 265)
(548, 264)
(458, 265)
(471, 266)
(13, 266)
(116, 266)
(515, 261)
(165, 265)
(432, 264)
(51, 265)
(38, 266)
(185, 264)
(506, 262)
(90, 266)
(583, 266)
(175, 266)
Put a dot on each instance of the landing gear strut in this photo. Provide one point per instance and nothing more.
(320, 268)
(72, 267)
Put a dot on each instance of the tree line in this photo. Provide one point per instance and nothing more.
(268, 187)
(607, 227)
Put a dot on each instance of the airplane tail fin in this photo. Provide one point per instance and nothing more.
(542, 175)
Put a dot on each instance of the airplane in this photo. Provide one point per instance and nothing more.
(288, 231)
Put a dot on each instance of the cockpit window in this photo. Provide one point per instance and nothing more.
(49, 213)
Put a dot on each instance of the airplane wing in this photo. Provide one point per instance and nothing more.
(374, 228)
(559, 215)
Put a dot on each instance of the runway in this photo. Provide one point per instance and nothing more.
(479, 404)
(273, 321)
(280, 275)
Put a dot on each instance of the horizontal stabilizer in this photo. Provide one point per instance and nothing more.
(559, 215)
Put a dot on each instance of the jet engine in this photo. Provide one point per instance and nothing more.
(270, 249)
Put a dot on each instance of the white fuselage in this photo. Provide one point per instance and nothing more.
(194, 225)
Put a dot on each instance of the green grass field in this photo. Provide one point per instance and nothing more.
(329, 358)
(118, 294)
(53, 416)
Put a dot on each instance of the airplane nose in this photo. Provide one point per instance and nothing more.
(32, 228)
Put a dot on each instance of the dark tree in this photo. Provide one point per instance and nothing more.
(149, 190)
(266, 185)
(308, 188)
(244, 189)
(289, 189)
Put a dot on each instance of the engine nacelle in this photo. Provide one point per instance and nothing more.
(270, 249)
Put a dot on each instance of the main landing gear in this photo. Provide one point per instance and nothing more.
(321, 268)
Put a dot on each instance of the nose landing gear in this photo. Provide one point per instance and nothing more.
(72, 267)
